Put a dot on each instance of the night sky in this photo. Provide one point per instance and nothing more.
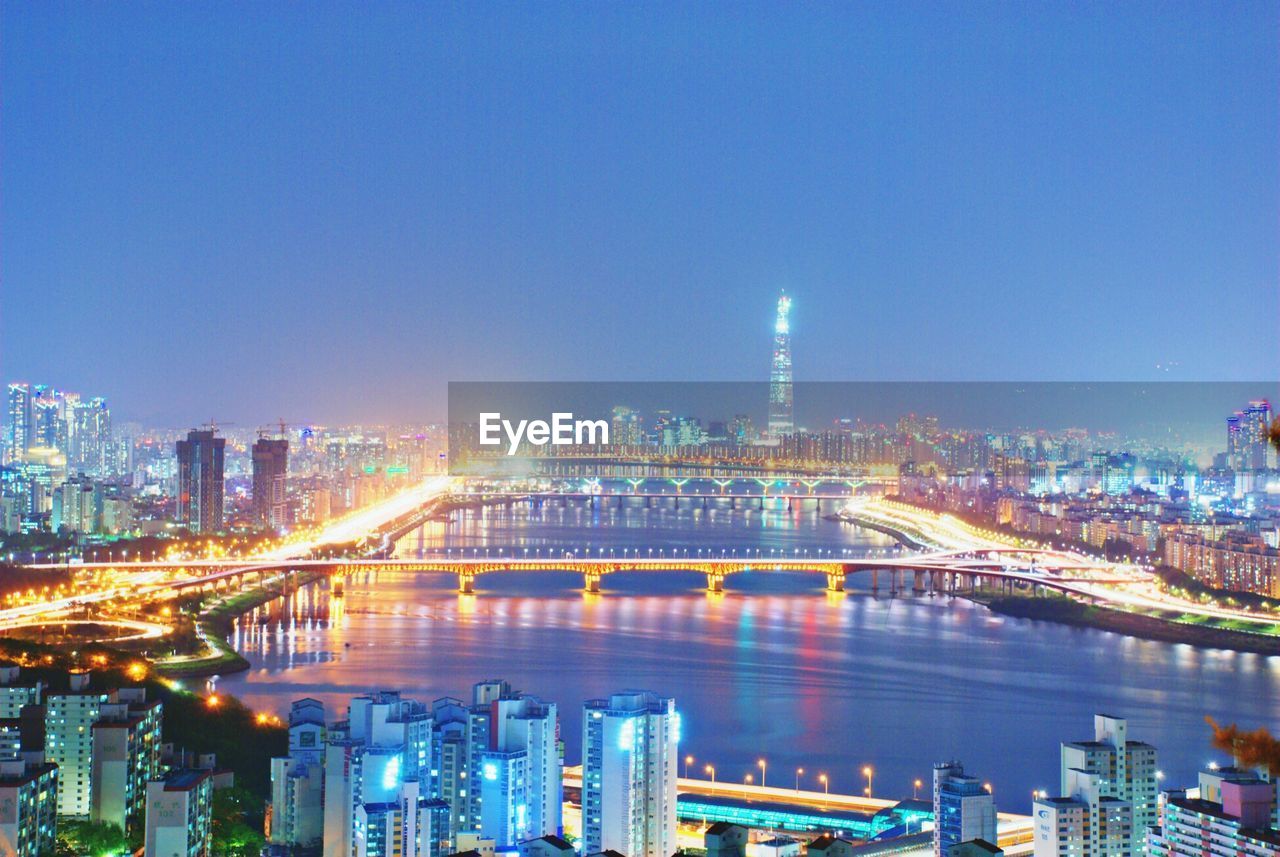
(326, 212)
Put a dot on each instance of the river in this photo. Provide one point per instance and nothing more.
(773, 668)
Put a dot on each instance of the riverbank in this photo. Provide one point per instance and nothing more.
(1164, 628)
(213, 624)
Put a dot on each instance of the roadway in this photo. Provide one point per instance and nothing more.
(1015, 831)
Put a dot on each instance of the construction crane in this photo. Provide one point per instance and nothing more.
(213, 424)
(280, 423)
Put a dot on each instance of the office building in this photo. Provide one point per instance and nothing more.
(630, 755)
(297, 780)
(28, 806)
(180, 814)
(520, 784)
(1234, 816)
(963, 808)
(200, 482)
(1125, 769)
(270, 475)
(68, 727)
(125, 757)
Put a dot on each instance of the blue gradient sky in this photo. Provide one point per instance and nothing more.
(326, 212)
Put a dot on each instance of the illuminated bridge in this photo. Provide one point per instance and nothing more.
(930, 572)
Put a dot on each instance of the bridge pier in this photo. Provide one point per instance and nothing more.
(591, 581)
(715, 581)
(917, 582)
(835, 581)
(466, 582)
(875, 580)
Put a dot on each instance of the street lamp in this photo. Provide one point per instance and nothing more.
(826, 790)
(747, 779)
(711, 771)
(866, 772)
(688, 760)
(915, 795)
(799, 774)
(764, 767)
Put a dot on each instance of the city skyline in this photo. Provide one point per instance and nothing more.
(640, 430)
(1069, 203)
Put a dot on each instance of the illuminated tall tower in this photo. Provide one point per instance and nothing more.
(781, 421)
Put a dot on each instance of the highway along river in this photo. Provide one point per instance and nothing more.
(774, 667)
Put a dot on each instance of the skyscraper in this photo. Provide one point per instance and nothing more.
(270, 472)
(200, 486)
(781, 419)
(19, 429)
(629, 754)
(963, 808)
(89, 441)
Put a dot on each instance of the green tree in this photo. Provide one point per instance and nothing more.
(91, 839)
(237, 823)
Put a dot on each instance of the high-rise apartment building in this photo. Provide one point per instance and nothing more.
(1108, 797)
(125, 757)
(180, 814)
(963, 808)
(1234, 816)
(28, 806)
(270, 477)
(200, 483)
(630, 755)
(297, 780)
(16, 692)
(377, 774)
(1125, 769)
(1085, 821)
(520, 782)
(68, 734)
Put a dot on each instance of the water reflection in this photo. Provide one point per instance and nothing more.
(773, 666)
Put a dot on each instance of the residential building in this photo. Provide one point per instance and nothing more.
(28, 806)
(520, 783)
(1125, 769)
(125, 757)
(68, 726)
(297, 780)
(1233, 817)
(1085, 822)
(630, 756)
(180, 814)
